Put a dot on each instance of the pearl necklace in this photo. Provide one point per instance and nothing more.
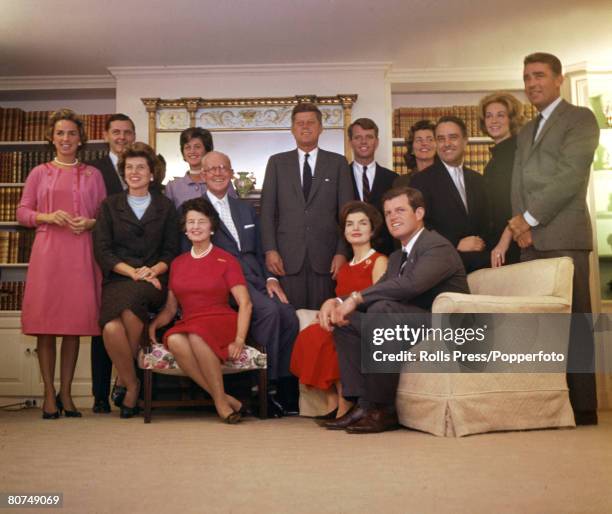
(203, 254)
(56, 160)
(370, 252)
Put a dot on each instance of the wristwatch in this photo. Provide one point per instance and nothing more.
(356, 296)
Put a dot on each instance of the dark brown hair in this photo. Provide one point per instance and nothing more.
(306, 107)
(139, 149)
(118, 117)
(409, 156)
(365, 124)
(200, 133)
(415, 197)
(369, 210)
(550, 59)
(456, 120)
(65, 114)
(203, 206)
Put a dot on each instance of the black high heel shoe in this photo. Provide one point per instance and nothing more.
(67, 413)
(118, 394)
(50, 415)
(129, 412)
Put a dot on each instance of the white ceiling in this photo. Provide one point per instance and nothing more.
(75, 37)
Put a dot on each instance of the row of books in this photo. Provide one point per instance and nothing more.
(15, 165)
(16, 246)
(11, 295)
(405, 117)
(476, 156)
(19, 125)
(9, 200)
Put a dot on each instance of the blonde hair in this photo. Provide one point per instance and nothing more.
(512, 105)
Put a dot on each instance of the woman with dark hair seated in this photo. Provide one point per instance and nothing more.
(314, 360)
(210, 331)
(135, 239)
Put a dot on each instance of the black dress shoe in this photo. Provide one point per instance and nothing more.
(50, 415)
(354, 414)
(101, 407)
(275, 409)
(375, 420)
(585, 417)
(118, 394)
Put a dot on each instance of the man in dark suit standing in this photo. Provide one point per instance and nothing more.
(551, 218)
(119, 132)
(370, 180)
(455, 195)
(274, 323)
(302, 195)
(426, 266)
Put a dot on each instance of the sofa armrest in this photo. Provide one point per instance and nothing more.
(446, 303)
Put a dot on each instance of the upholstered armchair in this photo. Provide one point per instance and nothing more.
(458, 404)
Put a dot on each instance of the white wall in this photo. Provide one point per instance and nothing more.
(368, 82)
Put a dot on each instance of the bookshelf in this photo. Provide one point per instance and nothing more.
(478, 150)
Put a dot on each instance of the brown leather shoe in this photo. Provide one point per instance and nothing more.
(375, 420)
(352, 416)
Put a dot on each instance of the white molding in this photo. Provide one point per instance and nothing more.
(252, 69)
(51, 82)
(454, 79)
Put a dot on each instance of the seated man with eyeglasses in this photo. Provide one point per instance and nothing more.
(274, 323)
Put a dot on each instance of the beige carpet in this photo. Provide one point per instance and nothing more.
(188, 462)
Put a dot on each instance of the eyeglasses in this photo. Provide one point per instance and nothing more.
(218, 169)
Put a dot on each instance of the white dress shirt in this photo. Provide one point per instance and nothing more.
(358, 174)
(312, 161)
(221, 205)
(115, 160)
(456, 174)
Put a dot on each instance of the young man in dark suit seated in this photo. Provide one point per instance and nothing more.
(455, 195)
(274, 323)
(370, 180)
(426, 266)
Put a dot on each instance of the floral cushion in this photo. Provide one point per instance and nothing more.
(160, 360)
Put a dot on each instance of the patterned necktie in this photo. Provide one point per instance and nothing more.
(536, 128)
(307, 177)
(226, 218)
(365, 185)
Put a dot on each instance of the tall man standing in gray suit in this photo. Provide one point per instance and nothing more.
(427, 265)
(549, 185)
(302, 195)
(119, 132)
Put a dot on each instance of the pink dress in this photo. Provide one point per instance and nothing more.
(63, 283)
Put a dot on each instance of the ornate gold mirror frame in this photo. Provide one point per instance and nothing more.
(232, 119)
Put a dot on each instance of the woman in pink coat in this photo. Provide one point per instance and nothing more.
(62, 293)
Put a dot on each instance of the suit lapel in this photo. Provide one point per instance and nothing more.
(236, 218)
(355, 190)
(552, 119)
(448, 183)
(378, 187)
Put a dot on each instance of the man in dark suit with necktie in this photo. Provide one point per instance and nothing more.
(370, 180)
(302, 196)
(426, 266)
(455, 195)
(274, 323)
(119, 132)
(551, 218)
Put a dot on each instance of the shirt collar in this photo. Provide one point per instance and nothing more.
(452, 168)
(215, 201)
(547, 111)
(408, 248)
(312, 155)
(114, 158)
(368, 166)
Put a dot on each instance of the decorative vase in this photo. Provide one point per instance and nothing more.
(244, 183)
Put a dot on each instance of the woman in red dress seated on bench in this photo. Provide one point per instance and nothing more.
(210, 331)
(314, 360)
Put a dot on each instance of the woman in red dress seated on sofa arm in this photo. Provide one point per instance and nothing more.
(314, 360)
(210, 331)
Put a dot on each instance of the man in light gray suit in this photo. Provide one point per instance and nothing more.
(302, 195)
(549, 185)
